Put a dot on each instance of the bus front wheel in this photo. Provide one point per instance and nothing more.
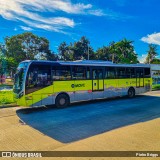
(62, 101)
(131, 92)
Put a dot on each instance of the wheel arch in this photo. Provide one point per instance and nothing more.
(131, 88)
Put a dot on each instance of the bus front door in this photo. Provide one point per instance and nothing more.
(139, 78)
(97, 81)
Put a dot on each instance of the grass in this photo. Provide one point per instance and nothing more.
(6, 98)
(156, 87)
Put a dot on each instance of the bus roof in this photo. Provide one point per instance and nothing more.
(86, 63)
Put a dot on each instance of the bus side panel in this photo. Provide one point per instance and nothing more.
(125, 84)
(40, 97)
(147, 86)
(21, 101)
(122, 87)
(78, 90)
(64, 86)
(83, 90)
(110, 87)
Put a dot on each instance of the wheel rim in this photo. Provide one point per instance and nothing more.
(130, 93)
(62, 101)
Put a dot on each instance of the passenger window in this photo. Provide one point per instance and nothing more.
(110, 73)
(121, 72)
(139, 73)
(130, 73)
(88, 73)
(61, 73)
(79, 72)
(97, 73)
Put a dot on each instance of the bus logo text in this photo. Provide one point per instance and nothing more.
(77, 85)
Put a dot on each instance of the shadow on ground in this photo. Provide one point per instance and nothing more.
(84, 120)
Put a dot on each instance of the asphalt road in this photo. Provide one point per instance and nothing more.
(84, 120)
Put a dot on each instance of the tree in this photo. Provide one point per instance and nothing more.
(123, 52)
(63, 50)
(51, 56)
(7, 64)
(103, 54)
(82, 49)
(152, 53)
(156, 61)
(2, 59)
(27, 46)
(118, 52)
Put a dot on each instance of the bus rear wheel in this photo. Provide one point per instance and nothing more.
(131, 92)
(62, 101)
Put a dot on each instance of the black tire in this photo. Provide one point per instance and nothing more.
(131, 92)
(62, 101)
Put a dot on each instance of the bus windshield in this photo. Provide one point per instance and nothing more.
(19, 77)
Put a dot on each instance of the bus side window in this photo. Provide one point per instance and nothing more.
(110, 73)
(88, 73)
(94, 72)
(121, 72)
(100, 73)
(61, 73)
(79, 72)
(139, 73)
(130, 73)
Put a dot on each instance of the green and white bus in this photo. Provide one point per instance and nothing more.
(40, 83)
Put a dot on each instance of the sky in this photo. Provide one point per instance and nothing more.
(101, 21)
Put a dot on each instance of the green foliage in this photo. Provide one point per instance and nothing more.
(156, 87)
(81, 49)
(2, 59)
(26, 46)
(103, 54)
(64, 52)
(6, 97)
(155, 61)
(125, 52)
(152, 53)
(119, 52)
(77, 51)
